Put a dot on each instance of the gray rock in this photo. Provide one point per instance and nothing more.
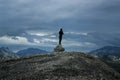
(59, 48)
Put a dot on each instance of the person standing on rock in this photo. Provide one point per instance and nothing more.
(59, 48)
(60, 36)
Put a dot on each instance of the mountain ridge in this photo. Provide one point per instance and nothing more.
(107, 50)
(6, 53)
(30, 51)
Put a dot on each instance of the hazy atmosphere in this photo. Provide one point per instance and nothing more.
(87, 24)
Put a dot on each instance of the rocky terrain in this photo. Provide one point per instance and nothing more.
(112, 61)
(110, 55)
(64, 66)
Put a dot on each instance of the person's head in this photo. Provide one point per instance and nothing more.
(61, 29)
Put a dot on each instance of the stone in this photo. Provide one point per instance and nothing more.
(59, 48)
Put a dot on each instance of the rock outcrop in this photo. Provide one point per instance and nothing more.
(59, 49)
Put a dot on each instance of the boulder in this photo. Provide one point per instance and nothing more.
(59, 48)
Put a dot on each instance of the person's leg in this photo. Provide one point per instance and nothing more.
(60, 38)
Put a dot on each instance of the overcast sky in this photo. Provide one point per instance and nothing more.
(87, 24)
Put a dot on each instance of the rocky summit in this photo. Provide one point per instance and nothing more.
(66, 66)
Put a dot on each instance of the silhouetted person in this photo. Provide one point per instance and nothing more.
(60, 36)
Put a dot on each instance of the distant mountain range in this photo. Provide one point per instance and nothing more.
(30, 51)
(6, 53)
(107, 50)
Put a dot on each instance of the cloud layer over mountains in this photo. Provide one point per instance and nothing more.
(87, 24)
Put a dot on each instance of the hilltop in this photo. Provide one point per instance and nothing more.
(65, 66)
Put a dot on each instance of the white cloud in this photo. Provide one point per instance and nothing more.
(49, 40)
(15, 40)
(53, 36)
(77, 33)
(36, 41)
(45, 40)
(71, 43)
(39, 33)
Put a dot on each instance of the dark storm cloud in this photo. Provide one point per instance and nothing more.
(104, 16)
(85, 15)
(18, 17)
